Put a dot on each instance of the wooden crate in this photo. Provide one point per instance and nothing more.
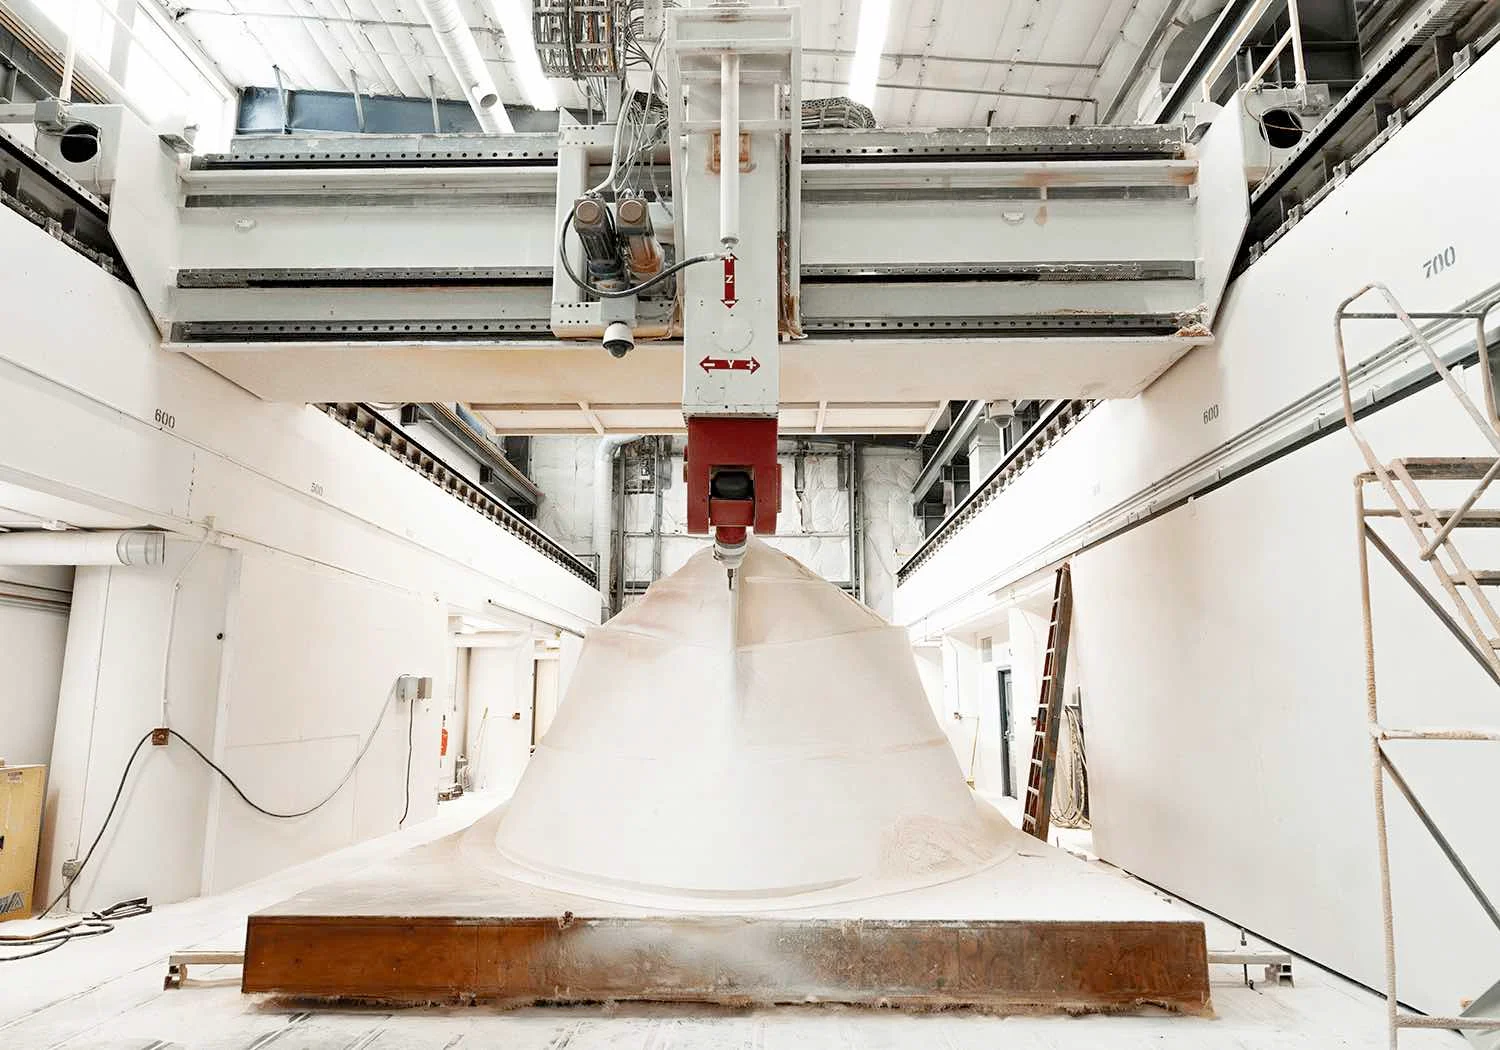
(21, 789)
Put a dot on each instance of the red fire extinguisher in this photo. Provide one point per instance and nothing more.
(443, 740)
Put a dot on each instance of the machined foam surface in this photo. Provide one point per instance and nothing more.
(773, 744)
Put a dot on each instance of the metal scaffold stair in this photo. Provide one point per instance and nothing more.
(1037, 819)
(1412, 487)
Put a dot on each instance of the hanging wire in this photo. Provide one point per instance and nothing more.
(294, 815)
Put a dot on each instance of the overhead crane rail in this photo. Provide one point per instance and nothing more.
(1052, 261)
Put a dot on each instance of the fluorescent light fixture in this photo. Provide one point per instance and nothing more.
(869, 42)
(515, 22)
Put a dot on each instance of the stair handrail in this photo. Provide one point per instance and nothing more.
(1423, 517)
(1442, 529)
(1398, 312)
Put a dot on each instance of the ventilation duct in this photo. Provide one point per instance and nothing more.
(604, 513)
(136, 547)
(1183, 49)
(457, 41)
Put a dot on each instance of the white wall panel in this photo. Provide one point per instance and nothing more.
(1217, 646)
(1275, 345)
(31, 658)
(311, 661)
(111, 696)
(1223, 674)
(563, 468)
(892, 532)
(455, 714)
(352, 563)
(548, 695)
(500, 701)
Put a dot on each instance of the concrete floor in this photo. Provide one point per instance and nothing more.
(107, 993)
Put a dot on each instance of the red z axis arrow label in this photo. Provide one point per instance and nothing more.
(717, 364)
(730, 298)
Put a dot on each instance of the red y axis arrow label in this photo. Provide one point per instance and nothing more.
(730, 298)
(717, 364)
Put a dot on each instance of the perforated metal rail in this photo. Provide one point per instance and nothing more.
(1056, 421)
(378, 431)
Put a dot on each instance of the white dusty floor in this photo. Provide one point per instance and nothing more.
(107, 992)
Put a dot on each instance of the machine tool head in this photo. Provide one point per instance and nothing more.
(730, 544)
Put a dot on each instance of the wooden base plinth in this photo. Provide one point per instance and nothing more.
(1051, 965)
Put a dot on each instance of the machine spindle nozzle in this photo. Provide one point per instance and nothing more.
(730, 545)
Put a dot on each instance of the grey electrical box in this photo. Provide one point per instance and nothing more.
(411, 687)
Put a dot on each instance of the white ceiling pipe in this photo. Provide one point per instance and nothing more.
(70, 52)
(136, 547)
(604, 507)
(729, 163)
(459, 47)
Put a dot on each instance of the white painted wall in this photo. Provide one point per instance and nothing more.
(563, 468)
(570, 646)
(1217, 646)
(331, 567)
(961, 717)
(31, 658)
(813, 528)
(111, 696)
(1225, 720)
(984, 765)
(500, 699)
(456, 708)
(1027, 625)
(548, 695)
(892, 531)
(929, 660)
(312, 656)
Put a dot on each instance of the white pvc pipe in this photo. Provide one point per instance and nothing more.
(457, 41)
(33, 13)
(604, 504)
(1231, 46)
(70, 53)
(137, 547)
(1299, 64)
(729, 150)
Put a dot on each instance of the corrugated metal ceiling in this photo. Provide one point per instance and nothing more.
(948, 63)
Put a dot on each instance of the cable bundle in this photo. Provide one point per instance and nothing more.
(93, 924)
(99, 922)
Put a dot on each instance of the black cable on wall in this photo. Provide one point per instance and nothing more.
(95, 923)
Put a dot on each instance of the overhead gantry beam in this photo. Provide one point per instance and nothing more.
(934, 266)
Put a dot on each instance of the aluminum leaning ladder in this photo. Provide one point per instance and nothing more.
(1477, 626)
